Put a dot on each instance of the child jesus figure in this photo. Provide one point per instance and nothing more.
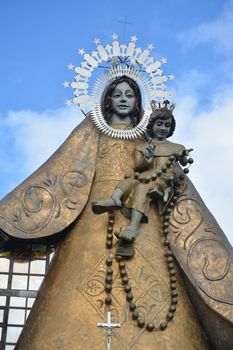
(156, 172)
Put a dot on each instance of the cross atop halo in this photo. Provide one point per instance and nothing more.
(123, 55)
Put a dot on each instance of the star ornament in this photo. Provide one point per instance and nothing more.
(97, 41)
(134, 38)
(114, 36)
(66, 84)
(163, 60)
(68, 103)
(70, 66)
(81, 51)
(171, 77)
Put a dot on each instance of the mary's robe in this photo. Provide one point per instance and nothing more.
(70, 302)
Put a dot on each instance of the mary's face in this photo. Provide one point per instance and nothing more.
(123, 99)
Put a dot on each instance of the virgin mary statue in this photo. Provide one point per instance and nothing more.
(176, 292)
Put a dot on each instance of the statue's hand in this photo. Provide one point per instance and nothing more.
(149, 152)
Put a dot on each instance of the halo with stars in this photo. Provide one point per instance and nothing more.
(119, 59)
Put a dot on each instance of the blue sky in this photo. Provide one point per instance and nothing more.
(38, 38)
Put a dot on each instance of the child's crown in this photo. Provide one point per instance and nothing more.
(165, 105)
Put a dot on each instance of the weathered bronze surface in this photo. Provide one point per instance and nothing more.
(71, 300)
(51, 198)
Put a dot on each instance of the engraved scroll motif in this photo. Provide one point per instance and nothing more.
(186, 221)
(209, 263)
(71, 183)
(37, 202)
(42, 202)
(208, 259)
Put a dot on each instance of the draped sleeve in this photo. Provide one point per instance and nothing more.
(55, 194)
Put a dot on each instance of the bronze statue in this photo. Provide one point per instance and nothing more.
(145, 295)
(154, 178)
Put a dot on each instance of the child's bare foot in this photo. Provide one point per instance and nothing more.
(99, 207)
(128, 233)
(125, 249)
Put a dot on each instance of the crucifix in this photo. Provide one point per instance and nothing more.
(108, 325)
(125, 22)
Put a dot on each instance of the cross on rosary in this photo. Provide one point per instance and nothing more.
(108, 325)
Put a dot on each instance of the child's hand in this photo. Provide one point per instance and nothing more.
(149, 152)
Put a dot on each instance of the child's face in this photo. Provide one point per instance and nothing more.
(161, 128)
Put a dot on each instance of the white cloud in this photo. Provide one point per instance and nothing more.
(218, 32)
(28, 138)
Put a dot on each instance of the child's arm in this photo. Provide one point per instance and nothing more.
(143, 158)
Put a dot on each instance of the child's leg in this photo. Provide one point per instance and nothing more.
(99, 207)
(131, 231)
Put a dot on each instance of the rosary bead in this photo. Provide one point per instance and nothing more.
(168, 253)
(110, 229)
(181, 177)
(164, 169)
(136, 175)
(166, 224)
(154, 177)
(172, 308)
(186, 170)
(173, 286)
(109, 236)
(150, 326)
(140, 323)
(163, 325)
(109, 271)
(108, 300)
(135, 315)
(125, 279)
(123, 272)
(119, 259)
(169, 316)
(111, 221)
(108, 279)
(132, 306)
(109, 244)
(122, 264)
(171, 204)
(170, 259)
(173, 278)
(111, 215)
(109, 261)
(174, 300)
(166, 231)
(172, 272)
(129, 296)
(168, 163)
(159, 173)
(190, 160)
(168, 210)
(175, 198)
(174, 293)
(171, 265)
(128, 288)
(166, 242)
(108, 287)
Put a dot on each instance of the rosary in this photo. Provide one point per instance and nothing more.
(141, 322)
